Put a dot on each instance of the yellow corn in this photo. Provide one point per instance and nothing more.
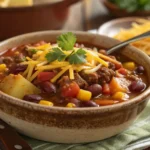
(120, 96)
(45, 102)
(71, 105)
(2, 67)
(129, 65)
(84, 95)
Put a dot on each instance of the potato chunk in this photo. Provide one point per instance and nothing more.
(17, 86)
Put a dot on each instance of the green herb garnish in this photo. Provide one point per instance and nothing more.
(66, 41)
(78, 57)
(55, 54)
(132, 5)
(33, 51)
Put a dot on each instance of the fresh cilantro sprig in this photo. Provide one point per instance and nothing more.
(55, 54)
(66, 41)
(77, 57)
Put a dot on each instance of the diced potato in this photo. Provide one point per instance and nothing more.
(17, 86)
(129, 65)
(119, 85)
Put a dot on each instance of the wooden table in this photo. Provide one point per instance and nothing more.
(87, 15)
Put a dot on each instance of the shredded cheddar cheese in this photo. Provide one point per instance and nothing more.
(138, 27)
(38, 63)
(71, 73)
(96, 57)
(60, 73)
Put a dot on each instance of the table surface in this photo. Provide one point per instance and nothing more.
(89, 14)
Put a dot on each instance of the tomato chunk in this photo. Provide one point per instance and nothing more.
(123, 71)
(70, 90)
(45, 76)
(106, 89)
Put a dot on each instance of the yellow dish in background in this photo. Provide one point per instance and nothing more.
(15, 3)
(138, 27)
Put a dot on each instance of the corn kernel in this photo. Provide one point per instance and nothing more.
(2, 67)
(120, 96)
(45, 102)
(71, 105)
(84, 95)
(129, 65)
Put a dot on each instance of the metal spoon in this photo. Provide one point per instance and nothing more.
(125, 43)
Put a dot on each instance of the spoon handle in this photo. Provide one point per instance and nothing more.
(122, 44)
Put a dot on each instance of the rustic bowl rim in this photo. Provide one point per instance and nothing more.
(87, 110)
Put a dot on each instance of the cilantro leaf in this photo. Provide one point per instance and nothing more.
(78, 57)
(55, 54)
(66, 41)
(33, 51)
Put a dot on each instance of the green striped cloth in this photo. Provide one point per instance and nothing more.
(139, 130)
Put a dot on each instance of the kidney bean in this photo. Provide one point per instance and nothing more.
(140, 69)
(17, 68)
(137, 86)
(74, 101)
(89, 104)
(48, 87)
(95, 89)
(32, 98)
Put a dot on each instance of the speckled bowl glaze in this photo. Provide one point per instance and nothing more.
(72, 125)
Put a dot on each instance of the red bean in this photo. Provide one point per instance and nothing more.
(89, 104)
(95, 89)
(137, 86)
(17, 68)
(140, 69)
(48, 87)
(32, 98)
(74, 101)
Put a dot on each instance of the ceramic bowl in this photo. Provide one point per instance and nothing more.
(72, 125)
(112, 27)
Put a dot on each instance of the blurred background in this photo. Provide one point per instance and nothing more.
(23, 16)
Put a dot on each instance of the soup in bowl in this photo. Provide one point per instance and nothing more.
(63, 87)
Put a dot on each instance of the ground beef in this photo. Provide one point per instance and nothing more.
(111, 66)
(80, 81)
(64, 80)
(132, 77)
(19, 57)
(6, 60)
(105, 75)
(91, 78)
(102, 51)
